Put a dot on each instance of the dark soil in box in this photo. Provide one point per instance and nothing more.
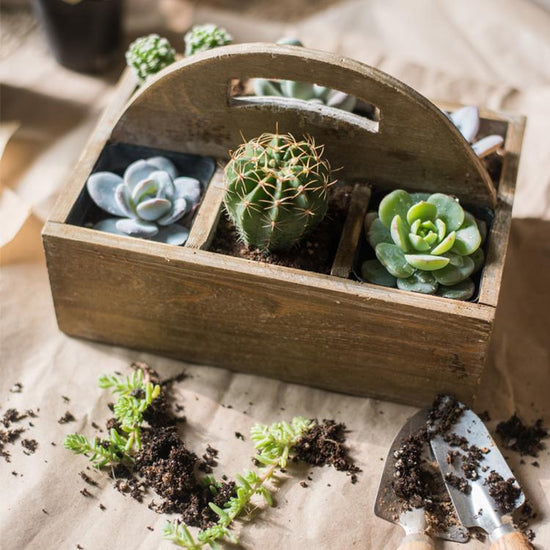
(315, 253)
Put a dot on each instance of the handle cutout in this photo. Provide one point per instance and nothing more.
(321, 105)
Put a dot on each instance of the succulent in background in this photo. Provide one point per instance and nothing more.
(205, 37)
(276, 190)
(424, 243)
(147, 201)
(303, 90)
(466, 119)
(148, 55)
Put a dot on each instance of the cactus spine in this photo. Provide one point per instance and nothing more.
(277, 190)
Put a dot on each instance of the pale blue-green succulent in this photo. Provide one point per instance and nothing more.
(303, 90)
(148, 55)
(205, 37)
(424, 243)
(147, 201)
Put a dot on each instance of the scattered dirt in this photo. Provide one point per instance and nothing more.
(30, 446)
(88, 479)
(315, 253)
(325, 444)
(504, 492)
(66, 418)
(16, 388)
(526, 440)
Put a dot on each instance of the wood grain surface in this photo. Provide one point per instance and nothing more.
(187, 107)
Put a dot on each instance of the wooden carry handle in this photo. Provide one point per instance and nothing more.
(188, 107)
(417, 541)
(512, 541)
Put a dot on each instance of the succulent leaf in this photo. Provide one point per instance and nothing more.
(461, 291)
(478, 258)
(299, 90)
(378, 233)
(487, 145)
(189, 189)
(153, 209)
(448, 210)
(399, 233)
(374, 272)
(453, 274)
(445, 245)
(277, 190)
(109, 226)
(466, 119)
(421, 211)
(264, 87)
(341, 100)
(395, 203)
(101, 187)
(172, 234)
(179, 209)
(394, 260)
(468, 238)
(419, 243)
(163, 164)
(426, 262)
(420, 281)
(137, 228)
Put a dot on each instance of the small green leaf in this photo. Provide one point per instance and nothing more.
(378, 233)
(478, 258)
(415, 226)
(420, 281)
(394, 260)
(445, 245)
(431, 238)
(419, 243)
(374, 272)
(461, 291)
(448, 210)
(396, 202)
(468, 237)
(441, 229)
(421, 211)
(399, 230)
(426, 262)
(417, 197)
(452, 274)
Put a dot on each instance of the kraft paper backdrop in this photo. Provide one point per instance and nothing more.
(493, 53)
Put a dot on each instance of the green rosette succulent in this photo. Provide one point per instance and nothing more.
(150, 54)
(424, 243)
(205, 37)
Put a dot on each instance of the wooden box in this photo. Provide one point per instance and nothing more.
(328, 331)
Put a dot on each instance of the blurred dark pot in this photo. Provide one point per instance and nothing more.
(85, 36)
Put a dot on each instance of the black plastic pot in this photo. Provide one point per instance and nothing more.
(85, 36)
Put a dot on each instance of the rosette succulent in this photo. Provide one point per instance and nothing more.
(277, 190)
(424, 243)
(303, 90)
(147, 201)
(205, 37)
(466, 119)
(148, 55)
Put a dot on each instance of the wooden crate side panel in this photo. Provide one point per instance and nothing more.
(500, 231)
(295, 332)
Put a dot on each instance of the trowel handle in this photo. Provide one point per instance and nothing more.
(511, 541)
(418, 541)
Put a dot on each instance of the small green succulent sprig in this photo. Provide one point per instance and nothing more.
(273, 445)
(135, 396)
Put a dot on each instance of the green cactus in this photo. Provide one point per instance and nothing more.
(205, 37)
(148, 55)
(423, 243)
(277, 190)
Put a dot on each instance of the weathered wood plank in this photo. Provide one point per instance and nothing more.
(500, 231)
(206, 220)
(343, 261)
(187, 107)
(319, 330)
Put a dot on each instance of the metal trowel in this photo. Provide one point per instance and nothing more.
(476, 507)
(388, 505)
